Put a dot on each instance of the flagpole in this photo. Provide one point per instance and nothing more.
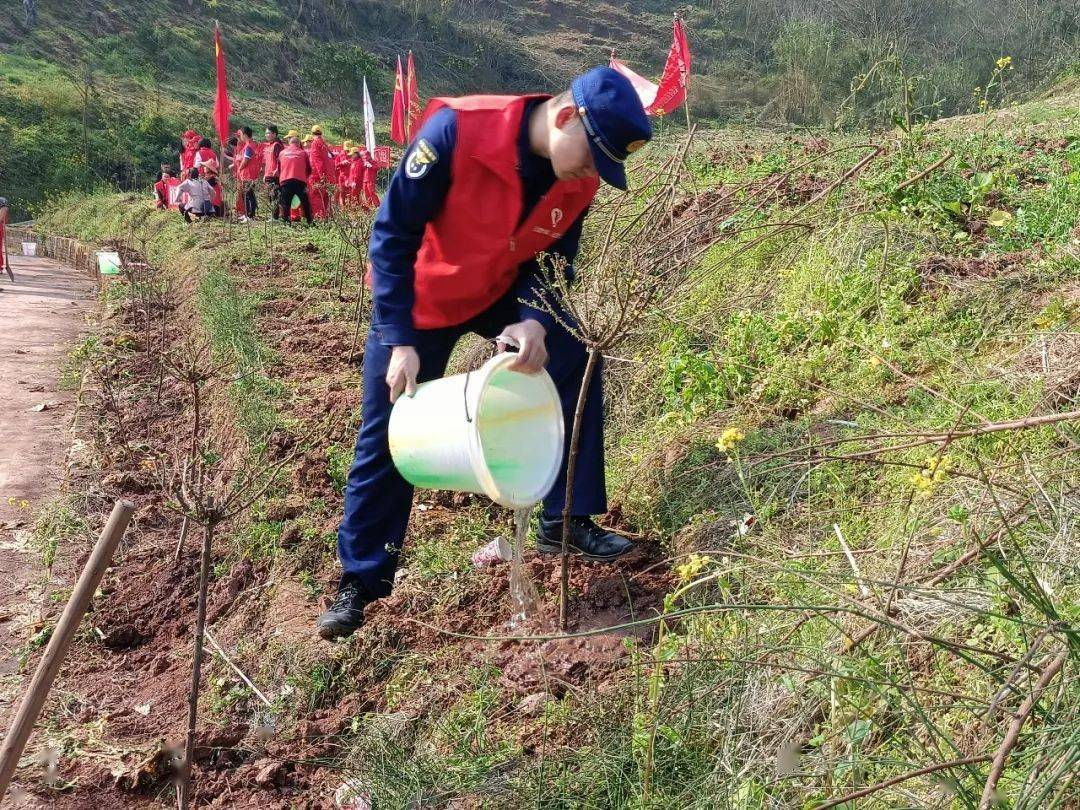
(686, 101)
(221, 143)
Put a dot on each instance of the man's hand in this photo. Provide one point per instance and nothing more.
(532, 353)
(401, 374)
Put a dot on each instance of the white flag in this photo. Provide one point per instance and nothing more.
(369, 121)
(646, 90)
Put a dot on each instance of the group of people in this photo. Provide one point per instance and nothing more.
(303, 176)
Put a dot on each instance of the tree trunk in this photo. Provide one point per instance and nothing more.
(571, 469)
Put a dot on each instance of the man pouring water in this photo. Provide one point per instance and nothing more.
(487, 184)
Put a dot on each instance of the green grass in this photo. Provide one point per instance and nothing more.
(229, 319)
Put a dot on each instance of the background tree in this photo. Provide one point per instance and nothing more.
(332, 74)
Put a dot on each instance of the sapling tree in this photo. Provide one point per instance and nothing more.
(652, 245)
(353, 225)
(636, 263)
(207, 492)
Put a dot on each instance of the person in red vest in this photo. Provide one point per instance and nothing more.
(356, 174)
(271, 150)
(343, 166)
(161, 188)
(247, 164)
(295, 171)
(369, 197)
(488, 183)
(189, 144)
(4, 263)
(206, 161)
(323, 174)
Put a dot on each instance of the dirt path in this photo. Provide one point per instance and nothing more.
(42, 315)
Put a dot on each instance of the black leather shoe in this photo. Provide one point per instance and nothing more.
(586, 539)
(346, 614)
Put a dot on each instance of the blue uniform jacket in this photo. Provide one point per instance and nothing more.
(411, 201)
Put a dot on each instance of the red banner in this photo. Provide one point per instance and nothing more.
(398, 124)
(412, 97)
(673, 84)
(382, 157)
(222, 107)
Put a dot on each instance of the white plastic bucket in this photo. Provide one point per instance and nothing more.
(493, 431)
(29, 248)
(108, 263)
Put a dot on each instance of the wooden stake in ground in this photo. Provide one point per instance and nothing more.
(49, 667)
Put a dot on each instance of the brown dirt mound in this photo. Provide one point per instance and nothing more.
(986, 266)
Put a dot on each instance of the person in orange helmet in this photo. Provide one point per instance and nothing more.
(344, 167)
(369, 197)
(323, 173)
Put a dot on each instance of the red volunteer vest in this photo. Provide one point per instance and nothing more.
(251, 169)
(322, 165)
(293, 164)
(207, 156)
(472, 249)
(271, 151)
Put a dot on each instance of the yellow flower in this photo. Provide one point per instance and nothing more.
(24, 504)
(1003, 62)
(692, 567)
(728, 439)
(925, 481)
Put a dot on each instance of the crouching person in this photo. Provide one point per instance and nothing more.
(442, 266)
(197, 197)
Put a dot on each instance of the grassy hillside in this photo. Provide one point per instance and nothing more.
(845, 442)
(94, 91)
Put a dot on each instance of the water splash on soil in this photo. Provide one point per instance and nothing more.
(523, 594)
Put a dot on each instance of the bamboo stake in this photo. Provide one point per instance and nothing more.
(65, 630)
(181, 539)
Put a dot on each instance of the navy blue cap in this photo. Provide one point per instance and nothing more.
(614, 119)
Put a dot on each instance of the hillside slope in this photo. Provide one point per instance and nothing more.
(95, 92)
(845, 442)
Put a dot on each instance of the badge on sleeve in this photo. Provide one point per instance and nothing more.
(422, 157)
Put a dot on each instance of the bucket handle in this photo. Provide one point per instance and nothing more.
(509, 341)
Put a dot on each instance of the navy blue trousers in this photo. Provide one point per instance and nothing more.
(378, 500)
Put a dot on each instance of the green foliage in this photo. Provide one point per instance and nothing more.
(61, 522)
(229, 318)
(333, 74)
(339, 458)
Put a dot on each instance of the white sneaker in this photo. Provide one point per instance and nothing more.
(242, 218)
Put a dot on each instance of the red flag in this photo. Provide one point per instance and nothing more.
(222, 107)
(673, 83)
(398, 124)
(412, 97)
